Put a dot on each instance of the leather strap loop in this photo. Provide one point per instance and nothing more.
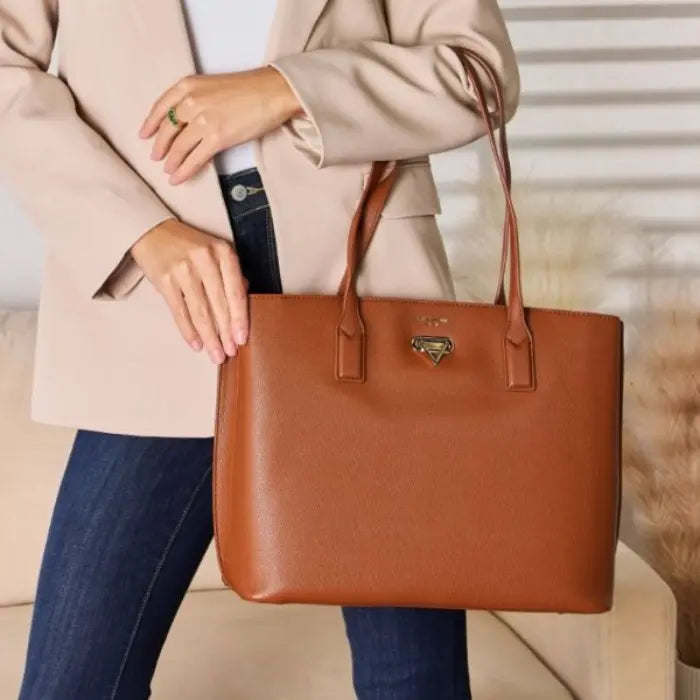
(350, 332)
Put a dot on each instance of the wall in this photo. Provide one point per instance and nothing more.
(609, 120)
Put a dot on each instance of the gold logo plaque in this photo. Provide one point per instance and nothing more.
(435, 347)
(432, 320)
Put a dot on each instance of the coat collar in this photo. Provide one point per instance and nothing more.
(292, 25)
(163, 24)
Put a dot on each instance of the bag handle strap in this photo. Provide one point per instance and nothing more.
(366, 218)
(377, 198)
(502, 152)
(350, 336)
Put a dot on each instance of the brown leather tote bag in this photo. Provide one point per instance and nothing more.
(384, 451)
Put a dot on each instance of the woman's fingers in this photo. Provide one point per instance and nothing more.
(210, 274)
(172, 97)
(178, 309)
(193, 162)
(201, 313)
(236, 291)
(200, 278)
(181, 147)
(165, 136)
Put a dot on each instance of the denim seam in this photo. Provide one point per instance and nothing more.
(241, 215)
(457, 680)
(154, 580)
(272, 246)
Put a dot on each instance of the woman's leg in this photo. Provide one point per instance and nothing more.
(130, 526)
(408, 653)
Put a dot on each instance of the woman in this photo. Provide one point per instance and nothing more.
(184, 157)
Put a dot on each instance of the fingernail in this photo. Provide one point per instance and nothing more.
(217, 356)
(241, 336)
(229, 347)
(196, 345)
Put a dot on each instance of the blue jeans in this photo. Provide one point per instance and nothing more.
(132, 521)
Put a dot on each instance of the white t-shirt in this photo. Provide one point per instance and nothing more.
(229, 36)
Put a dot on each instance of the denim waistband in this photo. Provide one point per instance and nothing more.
(243, 191)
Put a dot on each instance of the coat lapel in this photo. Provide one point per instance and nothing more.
(292, 25)
(160, 29)
(162, 23)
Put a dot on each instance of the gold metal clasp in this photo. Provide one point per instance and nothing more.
(435, 347)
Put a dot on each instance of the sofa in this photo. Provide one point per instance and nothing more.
(223, 648)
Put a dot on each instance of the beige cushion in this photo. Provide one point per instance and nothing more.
(221, 648)
(629, 651)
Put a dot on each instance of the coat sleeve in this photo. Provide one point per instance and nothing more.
(407, 97)
(62, 172)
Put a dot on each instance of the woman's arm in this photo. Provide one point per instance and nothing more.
(43, 140)
(375, 100)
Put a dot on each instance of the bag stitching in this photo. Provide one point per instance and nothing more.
(443, 302)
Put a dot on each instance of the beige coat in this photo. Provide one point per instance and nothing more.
(376, 82)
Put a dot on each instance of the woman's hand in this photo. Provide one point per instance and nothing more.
(200, 278)
(215, 112)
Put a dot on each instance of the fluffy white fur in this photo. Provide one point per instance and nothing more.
(571, 254)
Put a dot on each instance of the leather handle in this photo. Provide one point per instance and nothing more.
(518, 347)
(464, 55)
(350, 331)
(377, 197)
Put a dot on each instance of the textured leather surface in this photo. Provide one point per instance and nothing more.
(350, 469)
(422, 485)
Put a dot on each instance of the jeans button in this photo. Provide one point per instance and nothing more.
(239, 192)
